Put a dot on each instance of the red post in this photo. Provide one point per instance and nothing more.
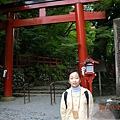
(81, 37)
(90, 78)
(9, 56)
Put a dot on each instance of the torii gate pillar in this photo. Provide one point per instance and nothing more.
(8, 59)
(81, 37)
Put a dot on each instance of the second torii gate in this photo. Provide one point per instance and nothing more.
(79, 16)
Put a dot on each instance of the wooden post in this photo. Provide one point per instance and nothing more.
(100, 89)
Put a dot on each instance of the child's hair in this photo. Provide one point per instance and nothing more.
(74, 70)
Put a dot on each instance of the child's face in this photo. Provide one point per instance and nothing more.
(74, 79)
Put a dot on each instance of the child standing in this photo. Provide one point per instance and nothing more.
(76, 102)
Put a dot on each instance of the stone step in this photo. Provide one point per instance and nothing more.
(33, 93)
(40, 92)
(41, 89)
(36, 90)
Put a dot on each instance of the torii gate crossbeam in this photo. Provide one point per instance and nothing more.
(79, 16)
(54, 19)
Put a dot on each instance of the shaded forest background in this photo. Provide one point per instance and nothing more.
(60, 41)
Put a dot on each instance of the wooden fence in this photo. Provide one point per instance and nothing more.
(24, 60)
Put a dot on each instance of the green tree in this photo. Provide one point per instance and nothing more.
(48, 40)
(104, 38)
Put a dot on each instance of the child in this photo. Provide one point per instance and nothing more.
(74, 104)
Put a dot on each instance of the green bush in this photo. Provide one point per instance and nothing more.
(40, 74)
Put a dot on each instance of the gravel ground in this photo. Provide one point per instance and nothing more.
(40, 108)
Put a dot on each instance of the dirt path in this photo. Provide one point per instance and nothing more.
(40, 109)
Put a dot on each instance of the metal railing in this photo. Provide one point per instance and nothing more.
(26, 90)
(52, 92)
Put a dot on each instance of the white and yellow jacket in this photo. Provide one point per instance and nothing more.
(66, 114)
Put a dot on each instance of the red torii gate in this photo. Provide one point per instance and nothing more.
(79, 16)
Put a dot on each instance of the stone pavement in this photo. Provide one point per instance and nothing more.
(40, 108)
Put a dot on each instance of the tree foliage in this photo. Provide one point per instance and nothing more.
(104, 37)
(53, 40)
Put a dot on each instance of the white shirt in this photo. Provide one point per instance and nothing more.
(76, 91)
